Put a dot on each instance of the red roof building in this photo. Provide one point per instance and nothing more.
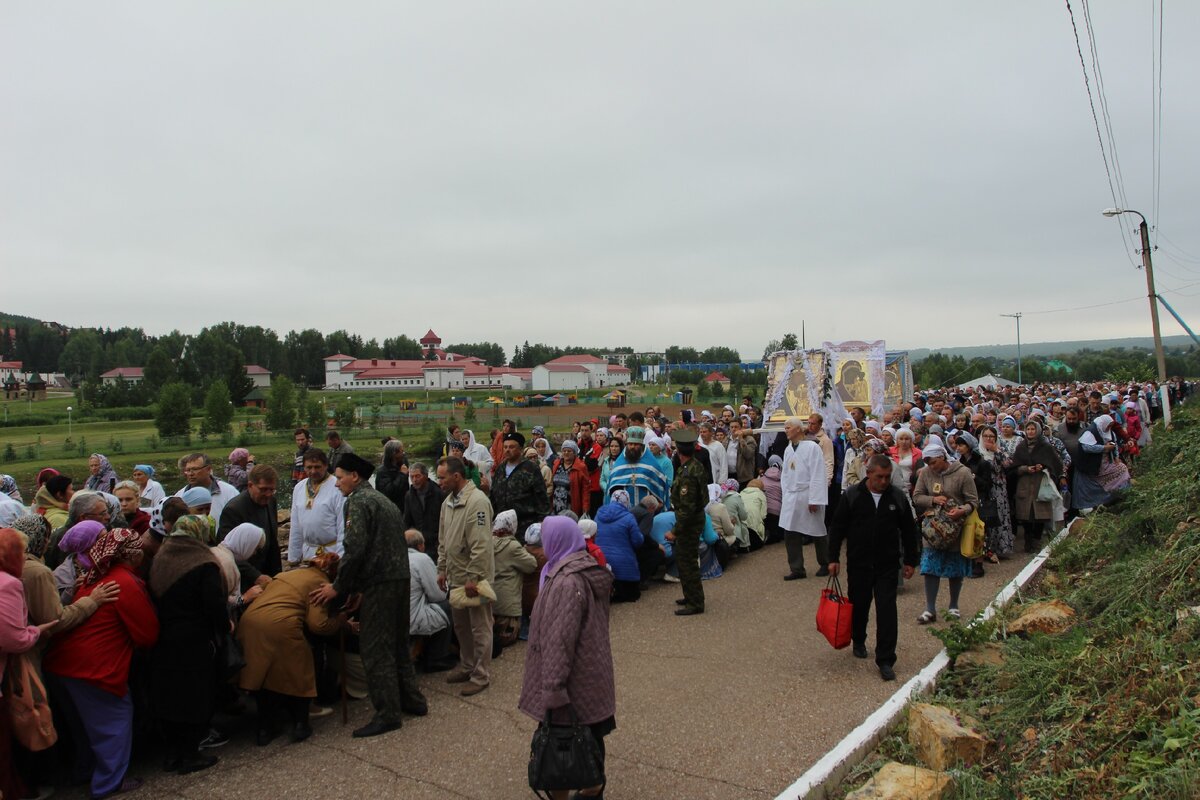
(582, 358)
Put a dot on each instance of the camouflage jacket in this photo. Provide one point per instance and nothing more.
(524, 491)
(689, 496)
(375, 549)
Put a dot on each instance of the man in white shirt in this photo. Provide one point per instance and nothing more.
(805, 494)
(428, 608)
(197, 470)
(717, 454)
(318, 521)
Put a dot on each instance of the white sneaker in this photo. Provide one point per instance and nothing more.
(669, 578)
(952, 613)
(319, 711)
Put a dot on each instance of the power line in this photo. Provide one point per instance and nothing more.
(1156, 87)
(1184, 254)
(1175, 290)
(1112, 185)
(1181, 263)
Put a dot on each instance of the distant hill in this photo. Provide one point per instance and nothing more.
(7, 319)
(1028, 349)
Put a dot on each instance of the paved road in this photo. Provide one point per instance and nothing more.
(736, 703)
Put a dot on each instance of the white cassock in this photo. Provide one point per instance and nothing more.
(323, 525)
(802, 482)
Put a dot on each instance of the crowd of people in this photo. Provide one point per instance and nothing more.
(145, 614)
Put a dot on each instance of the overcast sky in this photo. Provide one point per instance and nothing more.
(640, 174)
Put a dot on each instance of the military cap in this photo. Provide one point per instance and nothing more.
(352, 462)
(684, 436)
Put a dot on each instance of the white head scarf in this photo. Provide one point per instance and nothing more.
(244, 540)
(505, 521)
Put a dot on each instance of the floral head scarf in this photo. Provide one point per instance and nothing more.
(36, 529)
(106, 478)
(195, 527)
(8, 486)
(112, 546)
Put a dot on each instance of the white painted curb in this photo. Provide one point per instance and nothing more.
(827, 773)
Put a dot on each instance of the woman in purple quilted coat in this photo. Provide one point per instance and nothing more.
(568, 665)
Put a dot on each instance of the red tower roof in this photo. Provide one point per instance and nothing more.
(431, 338)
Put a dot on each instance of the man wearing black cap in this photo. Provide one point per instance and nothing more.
(375, 565)
(517, 484)
(689, 495)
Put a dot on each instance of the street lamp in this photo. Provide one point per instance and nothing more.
(68, 422)
(1144, 230)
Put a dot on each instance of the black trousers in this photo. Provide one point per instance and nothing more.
(649, 558)
(877, 583)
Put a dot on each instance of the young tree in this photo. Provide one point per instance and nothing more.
(281, 404)
(159, 369)
(218, 409)
(173, 416)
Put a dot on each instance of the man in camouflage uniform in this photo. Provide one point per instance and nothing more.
(517, 484)
(375, 566)
(689, 495)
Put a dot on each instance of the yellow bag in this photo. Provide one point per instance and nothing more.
(459, 599)
(973, 540)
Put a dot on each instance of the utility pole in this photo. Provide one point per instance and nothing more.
(1144, 230)
(1017, 316)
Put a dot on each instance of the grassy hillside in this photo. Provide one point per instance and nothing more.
(1110, 708)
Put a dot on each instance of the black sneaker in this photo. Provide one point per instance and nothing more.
(860, 651)
(795, 576)
(823, 572)
(887, 673)
(374, 728)
(196, 763)
(214, 739)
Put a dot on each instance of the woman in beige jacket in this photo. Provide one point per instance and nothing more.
(41, 593)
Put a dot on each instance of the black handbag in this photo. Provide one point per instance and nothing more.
(564, 757)
(230, 658)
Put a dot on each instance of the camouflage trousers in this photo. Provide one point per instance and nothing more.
(687, 561)
(383, 642)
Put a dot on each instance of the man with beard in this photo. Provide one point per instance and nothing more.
(636, 475)
(517, 484)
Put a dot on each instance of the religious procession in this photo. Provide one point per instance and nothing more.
(147, 621)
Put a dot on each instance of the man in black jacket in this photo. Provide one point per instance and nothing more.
(257, 505)
(423, 505)
(876, 523)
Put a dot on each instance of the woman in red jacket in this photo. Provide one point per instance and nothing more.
(569, 481)
(92, 660)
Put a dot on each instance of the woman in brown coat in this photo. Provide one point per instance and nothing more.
(1034, 457)
(279, 664)
(568, 667)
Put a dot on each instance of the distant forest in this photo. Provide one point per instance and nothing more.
(222, 351)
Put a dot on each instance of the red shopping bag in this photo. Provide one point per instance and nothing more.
(834, 614)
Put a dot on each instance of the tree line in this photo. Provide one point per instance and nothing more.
(1114, 364)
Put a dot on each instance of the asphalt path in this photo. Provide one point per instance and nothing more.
(735, 703)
